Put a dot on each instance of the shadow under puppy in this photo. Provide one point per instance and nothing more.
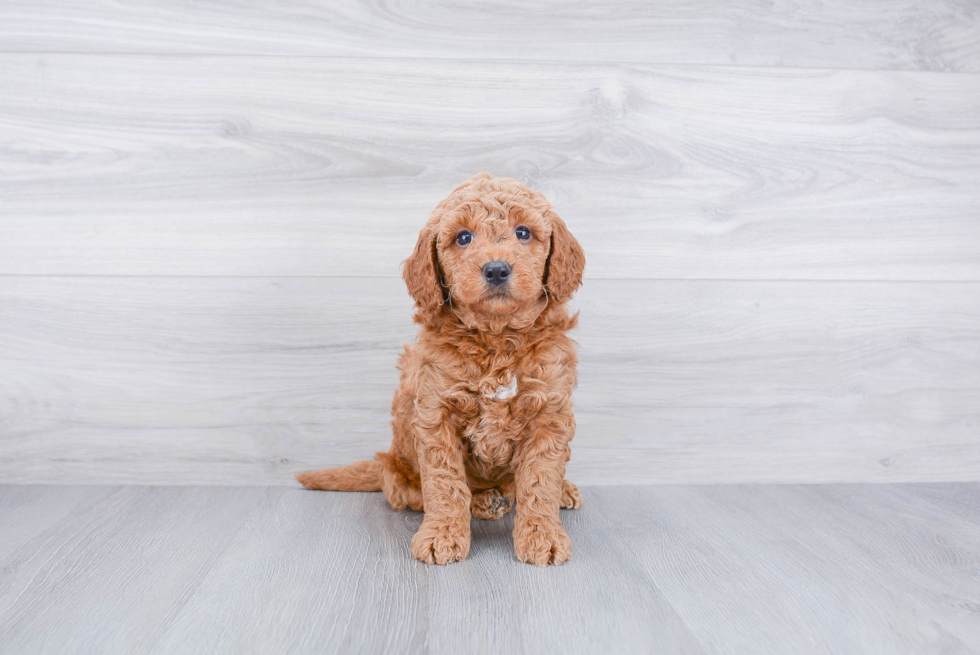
(483, 412)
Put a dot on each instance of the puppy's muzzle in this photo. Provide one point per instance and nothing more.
(496, 273)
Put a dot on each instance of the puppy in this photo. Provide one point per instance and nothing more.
(483, 413)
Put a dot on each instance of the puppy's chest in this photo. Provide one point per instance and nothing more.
(498, 425)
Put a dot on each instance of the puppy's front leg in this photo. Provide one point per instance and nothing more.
(444, 535)
(538, 536)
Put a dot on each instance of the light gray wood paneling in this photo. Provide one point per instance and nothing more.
(297, 166)
(249, 380)
(938, 35)
(734, 569)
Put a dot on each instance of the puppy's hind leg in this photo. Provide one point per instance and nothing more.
(570, 497)
(490, 504)
(401, 485)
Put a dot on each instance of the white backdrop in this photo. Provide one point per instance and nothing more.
(203, 210)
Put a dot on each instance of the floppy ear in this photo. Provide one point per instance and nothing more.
(565, 264)
(421, 273)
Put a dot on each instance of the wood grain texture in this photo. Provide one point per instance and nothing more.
(203, 207)
(249, 380)
(345, 582)
(666, 569)
(123, 165)
(828, 569)
(940, 35)
(105, 578)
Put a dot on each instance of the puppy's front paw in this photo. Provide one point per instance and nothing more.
(441, 542)
(542, 544)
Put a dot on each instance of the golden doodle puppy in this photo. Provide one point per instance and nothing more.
(483, 413)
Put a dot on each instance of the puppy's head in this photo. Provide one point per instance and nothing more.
(493, 248)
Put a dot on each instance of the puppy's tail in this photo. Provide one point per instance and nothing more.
(359, 476)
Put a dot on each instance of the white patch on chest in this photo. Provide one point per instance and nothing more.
(505, 392)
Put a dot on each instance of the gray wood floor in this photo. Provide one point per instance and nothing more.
(665, 569)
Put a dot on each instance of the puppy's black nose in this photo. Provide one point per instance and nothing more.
(496, 273)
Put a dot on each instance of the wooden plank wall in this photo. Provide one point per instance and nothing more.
(203, 208)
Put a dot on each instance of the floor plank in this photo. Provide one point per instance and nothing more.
(585, 608)
(964, 501)
(828, 568)
(308, 573)
(30, 511)
(300, 166)
(110, 576)
(247, 381)
(667, 569)
(943, 35)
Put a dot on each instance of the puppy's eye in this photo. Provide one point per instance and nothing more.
(464, 237)
(522, 233)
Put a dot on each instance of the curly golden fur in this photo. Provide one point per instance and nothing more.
(483, 413)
